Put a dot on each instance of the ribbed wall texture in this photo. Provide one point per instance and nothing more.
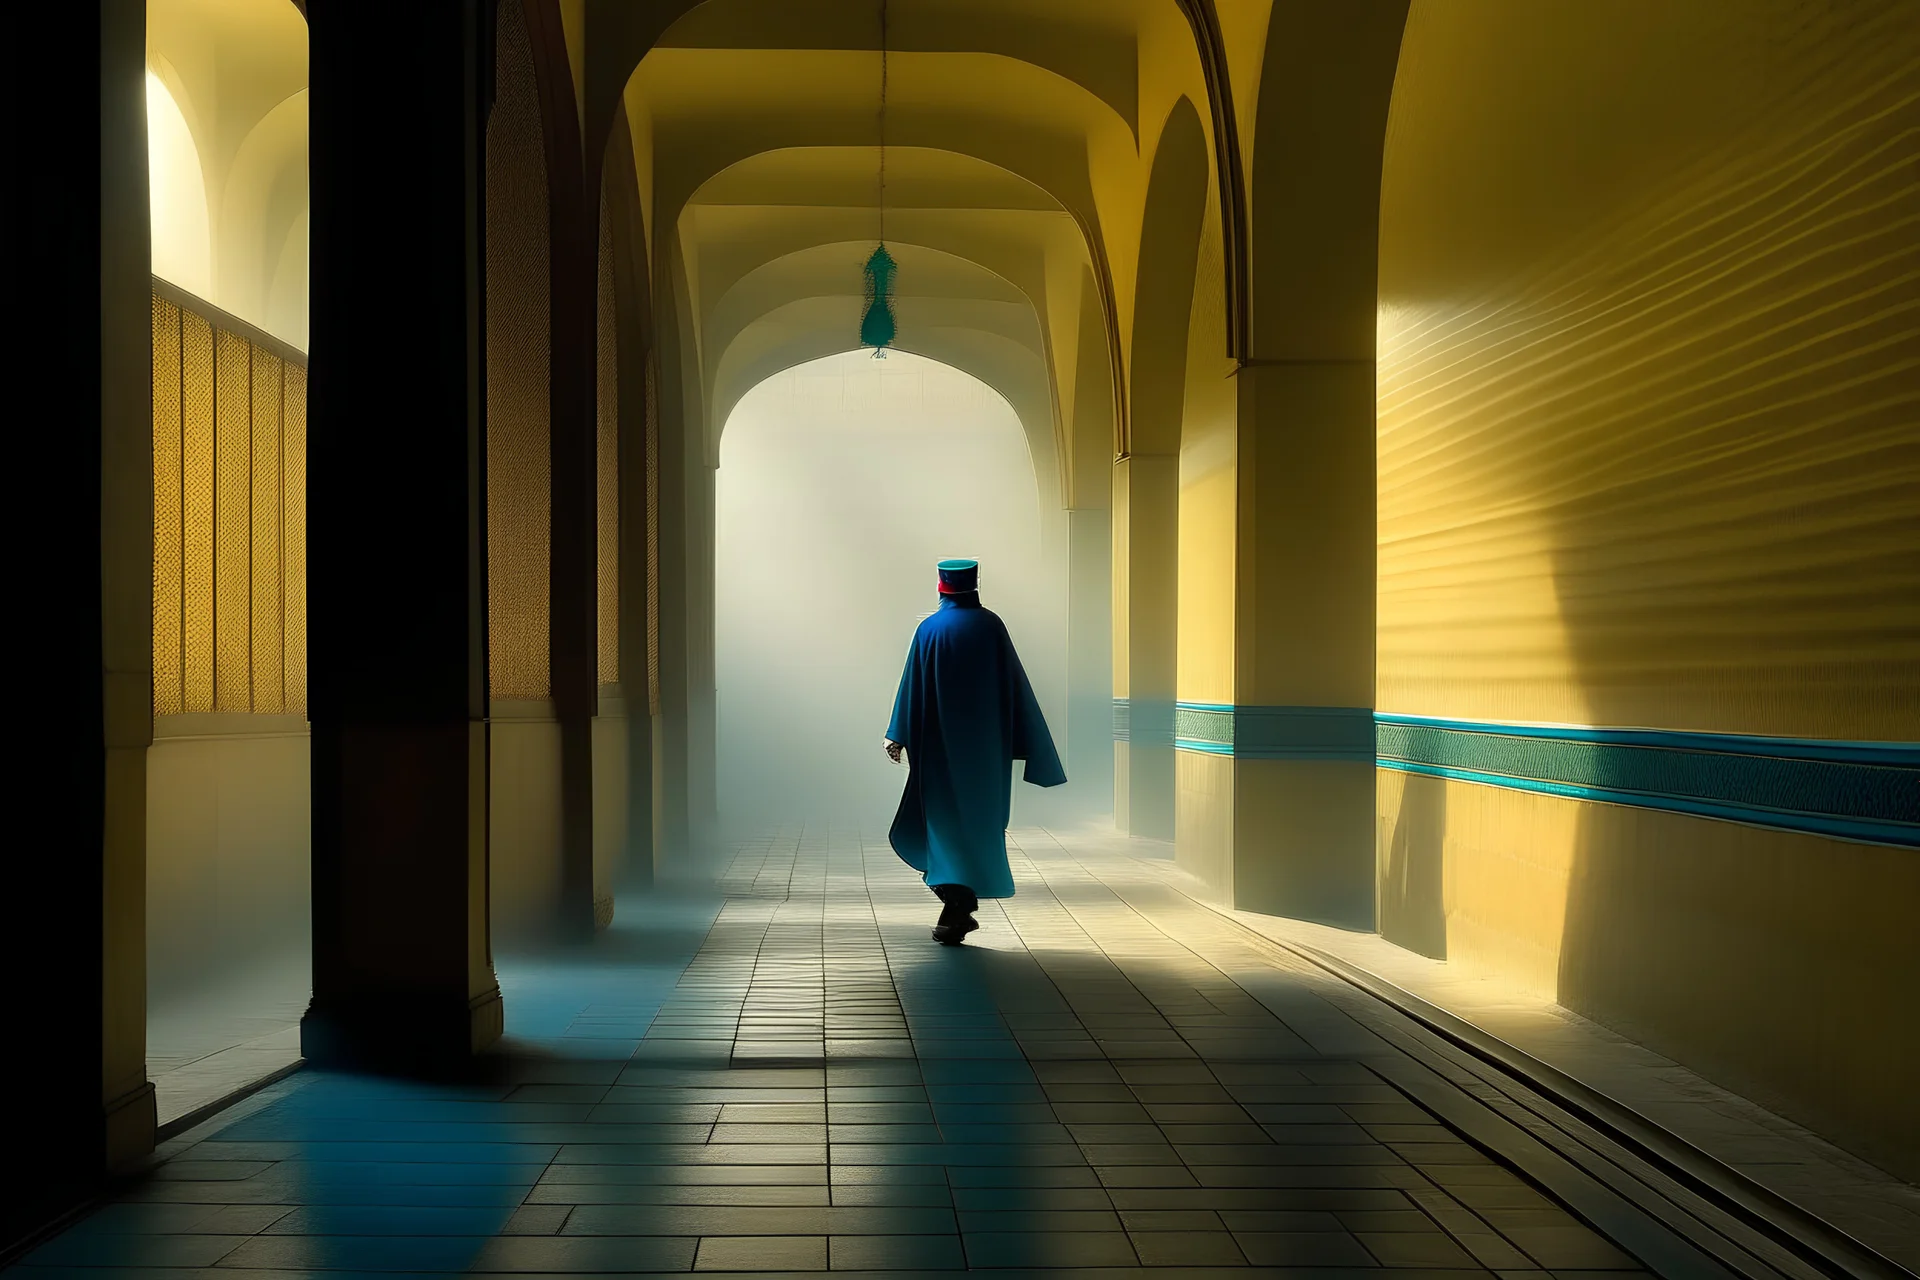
(229, 520)
(1649, 457)
(519, 305)
(607, 458)
(1649, 382)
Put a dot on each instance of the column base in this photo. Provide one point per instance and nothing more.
(1303, 837)
(401, 1032)
(127, 1127)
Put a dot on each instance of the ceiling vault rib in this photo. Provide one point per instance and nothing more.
(1207, 40)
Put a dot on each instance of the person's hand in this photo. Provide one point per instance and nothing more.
(893, 751)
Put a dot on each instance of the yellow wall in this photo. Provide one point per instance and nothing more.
(1649, 456)
(1209, 507)
(1205, 785)
(1768, 961)
(227, 811)
(1648, 448)
(1203, 828)
(227, 844)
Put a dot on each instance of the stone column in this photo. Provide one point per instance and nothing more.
(81, 527)
(1302, 732)
(1089, 729)
(1146, 514)
(1302, 736)
(573, 509)
(402, 969)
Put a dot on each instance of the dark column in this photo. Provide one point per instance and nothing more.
(678, 382)
(397, 574)
(638, 391)
(573, 576)
(78, 373)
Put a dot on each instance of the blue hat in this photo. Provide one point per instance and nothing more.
(959, 576)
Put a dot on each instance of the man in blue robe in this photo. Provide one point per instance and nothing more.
(964, 714)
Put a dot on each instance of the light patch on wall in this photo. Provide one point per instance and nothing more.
(1448, 534)
(177, 191)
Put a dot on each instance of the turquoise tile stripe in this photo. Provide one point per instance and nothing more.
(1867, 791)
(1274, 733)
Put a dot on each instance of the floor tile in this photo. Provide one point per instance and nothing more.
(762, 1253)
(895, 1253)
(1302, 1249)
(1041, 1249)
(1187, 1249)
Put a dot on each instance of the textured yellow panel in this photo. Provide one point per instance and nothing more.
(196, 512)
(169, 697)
(607, 449)
(269, 697)
(233, 523)
(519, 462)
(293, 462)
(1649, 405)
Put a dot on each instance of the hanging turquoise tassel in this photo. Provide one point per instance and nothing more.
(876, 324)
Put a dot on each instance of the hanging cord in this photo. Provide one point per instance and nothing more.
(883, 121)
(876, 322)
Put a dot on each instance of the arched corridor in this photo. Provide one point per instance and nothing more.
(1449, 470)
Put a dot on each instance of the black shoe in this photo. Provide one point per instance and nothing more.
(957, 905)
(952, 935)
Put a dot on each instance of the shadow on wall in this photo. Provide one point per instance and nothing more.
(1413, 912)
(1734, 561)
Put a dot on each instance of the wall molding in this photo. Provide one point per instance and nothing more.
(522, 711)
(202, 725)
(1862, 791)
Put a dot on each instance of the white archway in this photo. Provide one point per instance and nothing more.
(842, 481)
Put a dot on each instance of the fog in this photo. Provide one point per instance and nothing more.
(842, 482)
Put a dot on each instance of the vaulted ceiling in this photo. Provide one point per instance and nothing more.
(1018, 140)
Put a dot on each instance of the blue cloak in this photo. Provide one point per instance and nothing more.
(965, 713)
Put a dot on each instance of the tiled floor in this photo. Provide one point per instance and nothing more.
(228, 1030)
(1795, 1163)
(792, 1077)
